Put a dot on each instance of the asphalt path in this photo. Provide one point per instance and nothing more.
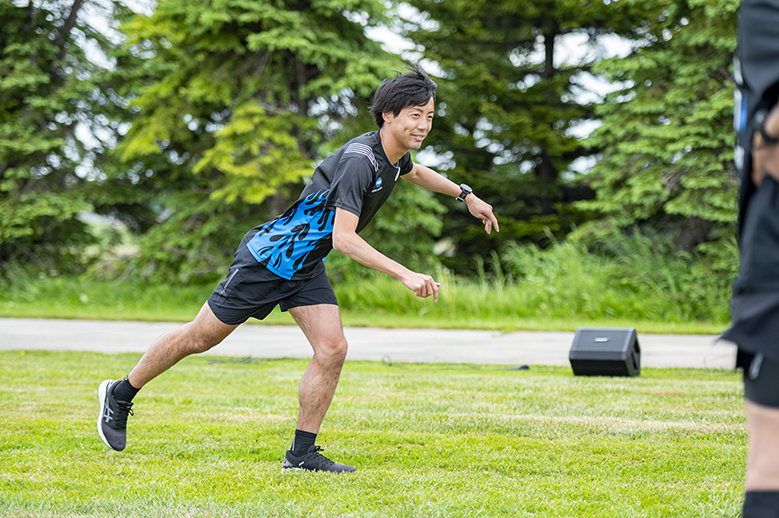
(389, 345)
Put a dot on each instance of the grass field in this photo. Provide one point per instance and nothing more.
(428, 440)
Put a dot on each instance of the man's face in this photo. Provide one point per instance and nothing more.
(410, 127)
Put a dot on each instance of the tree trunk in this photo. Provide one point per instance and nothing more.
(70, 22)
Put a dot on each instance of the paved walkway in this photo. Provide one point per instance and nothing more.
(396, 345)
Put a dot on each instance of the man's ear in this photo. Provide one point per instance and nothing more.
(387, 116)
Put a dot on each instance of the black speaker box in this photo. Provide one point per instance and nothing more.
(605, 352)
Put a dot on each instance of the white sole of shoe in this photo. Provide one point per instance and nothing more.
(101, 396)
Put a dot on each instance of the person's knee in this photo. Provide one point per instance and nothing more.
(200, 344)
(205, 331)
(333, 351)
(197, 341)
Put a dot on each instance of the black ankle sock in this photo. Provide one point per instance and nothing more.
(761, 504)
(123, 391)
(302, 442)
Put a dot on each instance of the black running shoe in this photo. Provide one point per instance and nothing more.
(112, 421)
(314, 461)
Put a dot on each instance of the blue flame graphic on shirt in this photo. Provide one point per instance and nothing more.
(296, 239)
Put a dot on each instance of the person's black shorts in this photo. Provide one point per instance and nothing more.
(761, 379)
(251, 290)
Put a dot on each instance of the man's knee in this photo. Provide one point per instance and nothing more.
(200, 344)
(205, 331)
(332, 351)
(198, 340)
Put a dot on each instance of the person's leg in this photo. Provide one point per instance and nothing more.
(763, 452)
(198, 336)
(322, 326)
(115, 396)
(761, 389)
(762, 484)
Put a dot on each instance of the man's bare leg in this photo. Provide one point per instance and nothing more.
(198, 336)
(762, 485)
(116, 396)
(763, 453)
(322, 326)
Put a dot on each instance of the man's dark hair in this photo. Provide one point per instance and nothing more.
(414, 88)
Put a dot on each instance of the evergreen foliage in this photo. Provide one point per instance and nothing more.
(509, 106)
(666, 159)
(196, 122)
(52, 127)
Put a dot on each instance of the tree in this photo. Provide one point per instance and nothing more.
(666, 159)
(235, 107)
(509, 107)
(50, 102)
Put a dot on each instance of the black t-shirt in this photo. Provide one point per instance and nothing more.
(358, 178)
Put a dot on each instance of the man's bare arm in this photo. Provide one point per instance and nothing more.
(348, 242)
(432, 181)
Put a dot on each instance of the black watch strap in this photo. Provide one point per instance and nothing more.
(465, 190)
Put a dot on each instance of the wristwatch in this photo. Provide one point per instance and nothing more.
(465, 192)
(760, 118)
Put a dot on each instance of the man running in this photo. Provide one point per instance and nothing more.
(281, 263)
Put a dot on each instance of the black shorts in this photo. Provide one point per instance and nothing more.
(251, 290)
(761, 379)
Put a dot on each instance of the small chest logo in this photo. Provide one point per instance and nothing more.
(377, 186)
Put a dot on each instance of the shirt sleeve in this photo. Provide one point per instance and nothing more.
(406, 164)
(352, 180)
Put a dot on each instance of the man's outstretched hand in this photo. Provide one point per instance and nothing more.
(422, 285)
(483, 211)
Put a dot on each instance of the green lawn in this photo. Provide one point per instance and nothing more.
(428, 440)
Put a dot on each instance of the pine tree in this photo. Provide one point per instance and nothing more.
(508, 109)
(666, 161)
(50, 104)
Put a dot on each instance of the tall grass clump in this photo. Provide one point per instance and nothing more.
(38, 294)
(560, 288)
(566, 283)
(644, 280)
